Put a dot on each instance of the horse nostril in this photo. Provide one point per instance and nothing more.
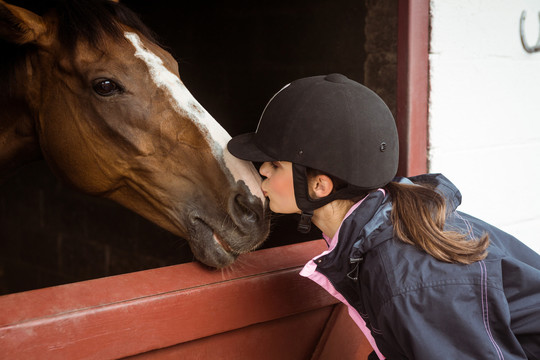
(244, 210)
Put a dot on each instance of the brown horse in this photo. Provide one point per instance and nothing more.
(86, 87)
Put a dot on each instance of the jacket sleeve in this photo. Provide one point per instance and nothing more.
(522, 290)
(457, 321)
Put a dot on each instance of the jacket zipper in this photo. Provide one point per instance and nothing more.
(354, 273)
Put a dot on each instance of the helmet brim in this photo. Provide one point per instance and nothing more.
(244, 147)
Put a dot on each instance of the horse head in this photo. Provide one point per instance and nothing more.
(91, 91)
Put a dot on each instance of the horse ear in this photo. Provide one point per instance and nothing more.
(20, 26)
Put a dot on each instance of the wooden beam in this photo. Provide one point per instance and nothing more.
(412, 87)
(291, 337)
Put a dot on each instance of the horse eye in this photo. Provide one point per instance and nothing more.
(107, 87)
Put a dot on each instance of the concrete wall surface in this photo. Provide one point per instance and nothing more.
(484, 110)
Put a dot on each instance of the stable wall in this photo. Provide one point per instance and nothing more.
(484, 128)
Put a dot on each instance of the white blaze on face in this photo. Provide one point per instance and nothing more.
(184, 103)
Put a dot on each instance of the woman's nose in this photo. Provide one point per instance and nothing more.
(263, 170)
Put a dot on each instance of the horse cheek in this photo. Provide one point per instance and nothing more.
(74, 153)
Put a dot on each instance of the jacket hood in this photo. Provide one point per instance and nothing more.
(441, 184)
(370, 223)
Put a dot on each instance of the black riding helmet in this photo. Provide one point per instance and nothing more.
(329, 123)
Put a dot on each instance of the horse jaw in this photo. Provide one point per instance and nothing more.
(184, 103)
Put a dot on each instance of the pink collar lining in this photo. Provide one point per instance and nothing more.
(334, 240)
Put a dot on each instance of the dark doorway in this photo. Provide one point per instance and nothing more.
(233, 56)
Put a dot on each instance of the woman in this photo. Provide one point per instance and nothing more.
(422, 280)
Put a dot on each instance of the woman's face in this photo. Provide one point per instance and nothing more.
(278, 186)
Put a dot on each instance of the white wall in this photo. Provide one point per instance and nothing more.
(484, 111)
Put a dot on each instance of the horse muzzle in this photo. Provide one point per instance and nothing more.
(218, 237)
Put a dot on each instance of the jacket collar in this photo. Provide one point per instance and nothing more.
(332, 242)
(371, 216)
(442, 185)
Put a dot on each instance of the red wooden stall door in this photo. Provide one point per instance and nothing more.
(261, 308)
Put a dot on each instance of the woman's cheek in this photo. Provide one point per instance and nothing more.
(282, 198)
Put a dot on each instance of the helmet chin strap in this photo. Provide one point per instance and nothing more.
(307, 204)
(304, 225)
(303, 200)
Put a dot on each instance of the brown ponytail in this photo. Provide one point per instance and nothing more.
(419, 214)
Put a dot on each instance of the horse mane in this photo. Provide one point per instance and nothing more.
(93, 20)
(78, 20)
(87, 20)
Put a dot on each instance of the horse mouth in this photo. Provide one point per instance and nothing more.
(222, 243)
(210, 247)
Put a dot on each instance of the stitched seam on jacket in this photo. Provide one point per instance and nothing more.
(485, 309)
(454, 282)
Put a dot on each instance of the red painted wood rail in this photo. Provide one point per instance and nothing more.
(260, 308)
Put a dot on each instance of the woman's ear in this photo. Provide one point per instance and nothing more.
(320, 186)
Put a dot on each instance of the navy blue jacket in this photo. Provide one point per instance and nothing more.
(417, 307)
